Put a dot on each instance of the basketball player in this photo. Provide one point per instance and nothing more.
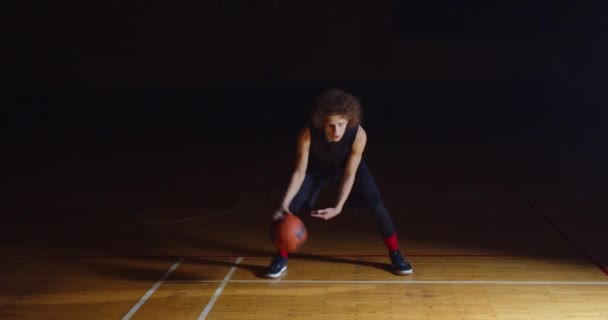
(330, 149)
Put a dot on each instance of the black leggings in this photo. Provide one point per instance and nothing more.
(364, 187)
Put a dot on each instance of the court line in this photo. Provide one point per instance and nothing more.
(497, 282)
(219, 290)
(176, 264)
(295, 255)
(563, 234)
(151, 290)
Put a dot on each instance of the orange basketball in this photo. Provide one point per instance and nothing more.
(288, 233)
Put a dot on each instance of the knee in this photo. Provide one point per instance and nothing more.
(378, 209)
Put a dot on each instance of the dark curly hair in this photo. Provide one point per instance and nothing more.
(336, 102)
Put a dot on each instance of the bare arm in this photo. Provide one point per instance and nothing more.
(299, 173)
(348, 178)
(354, 160)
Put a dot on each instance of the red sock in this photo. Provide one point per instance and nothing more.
(391, 242)
(282, 253)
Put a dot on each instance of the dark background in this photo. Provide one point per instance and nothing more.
(521, 82)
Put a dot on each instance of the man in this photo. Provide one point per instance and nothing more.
(330, 149)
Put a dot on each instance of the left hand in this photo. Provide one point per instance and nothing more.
(325, 214)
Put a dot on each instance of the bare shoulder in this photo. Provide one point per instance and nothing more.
(304, 137)
(360, 140)
(305, 132)
(361, 133)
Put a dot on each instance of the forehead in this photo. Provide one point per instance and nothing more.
(335, 118)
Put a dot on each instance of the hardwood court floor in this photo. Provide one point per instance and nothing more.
(332, 288)
(196, 251)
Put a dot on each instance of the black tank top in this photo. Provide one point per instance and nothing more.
(327, 158)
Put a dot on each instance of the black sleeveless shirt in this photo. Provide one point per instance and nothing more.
(327, 158)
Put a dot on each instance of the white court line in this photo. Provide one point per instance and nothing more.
(151, 291)
(219, 290)
(176, 264)
(597, 283)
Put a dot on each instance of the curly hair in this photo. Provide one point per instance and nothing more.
(336, 102)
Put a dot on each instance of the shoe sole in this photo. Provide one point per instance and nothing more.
(276, 275)
(404, 272)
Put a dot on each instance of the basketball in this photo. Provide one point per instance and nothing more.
(288, 233)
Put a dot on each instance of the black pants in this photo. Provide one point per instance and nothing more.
(364, 188)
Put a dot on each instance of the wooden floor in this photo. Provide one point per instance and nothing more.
(197, 251)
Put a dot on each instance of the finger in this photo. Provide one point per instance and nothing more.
(315, 214)
(321, 216)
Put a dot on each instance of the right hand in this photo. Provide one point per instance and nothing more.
(278, 215)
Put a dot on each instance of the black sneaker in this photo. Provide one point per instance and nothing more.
(401, 265)
(277, 266)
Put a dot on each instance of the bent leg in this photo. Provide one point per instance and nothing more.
(307, 194)
(365, 187)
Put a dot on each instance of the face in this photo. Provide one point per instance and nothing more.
(334, 127)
